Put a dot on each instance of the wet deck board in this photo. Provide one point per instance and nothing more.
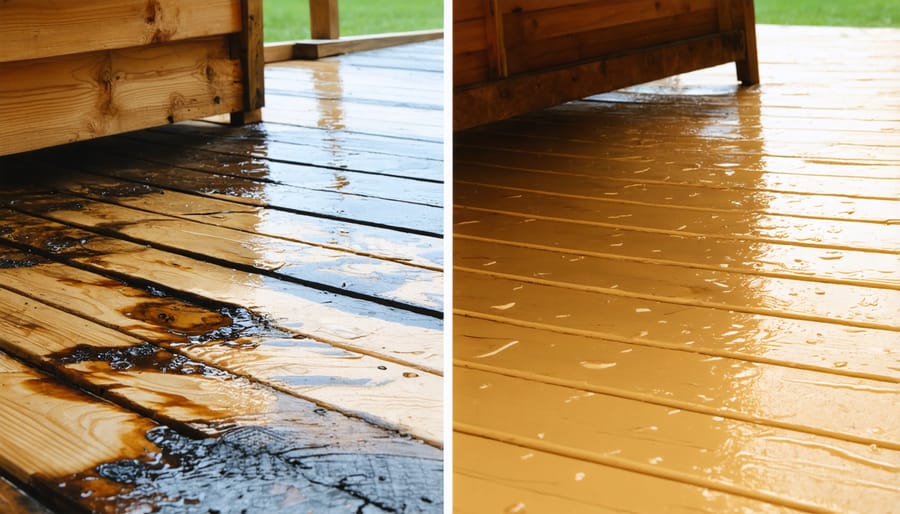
(267, 314)
(687, 252)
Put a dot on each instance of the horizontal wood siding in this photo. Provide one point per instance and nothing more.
(34, 29)
(527, 92)
(65, 99)
(525, 53)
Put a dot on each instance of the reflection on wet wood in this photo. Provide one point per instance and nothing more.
(686, 281)
(14, 499)
(259, 328)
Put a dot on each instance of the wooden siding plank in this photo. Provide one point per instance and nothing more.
(65, 99)
(543, 22)
(35, 29)
(770, 465)
(528, 92)
(526, 54)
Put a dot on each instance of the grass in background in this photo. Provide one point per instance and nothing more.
(289, 19)
(848, 13)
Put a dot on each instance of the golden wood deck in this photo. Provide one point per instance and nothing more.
(685, 295)
(204, 318)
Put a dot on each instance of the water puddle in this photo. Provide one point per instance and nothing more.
(255, 469)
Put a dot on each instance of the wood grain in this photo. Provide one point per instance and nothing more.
(70, 98)
(35, 29)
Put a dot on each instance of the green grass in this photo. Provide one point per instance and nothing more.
(289, 19)
(850, 13)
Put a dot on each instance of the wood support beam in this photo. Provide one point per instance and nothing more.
(323, 19)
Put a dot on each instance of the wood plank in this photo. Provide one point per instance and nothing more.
(328, 194)
(585, 210)
(320, 48)
(64, 99)
(16, 501)
(761, 463)
(324, 20)
(688, 379)
(868, 269)
(331, 156)
(534, 54)
(725, 333)
(37, 29)
(386, 282)
(38, 414)
(541, 481)
(226, 210)
(250, 41)
(629, 170)
(355, 325)
(541, 21)
(534, 91)
(184, 388)
(390, 395)
(401, 122)
(94, 467)
(335, 144)
(678, 198)
(722, 289)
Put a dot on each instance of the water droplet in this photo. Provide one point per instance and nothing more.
(504, 307)
(579, 476)
(597, 365)
(655, 460)
(642, 309)
(518, 508)
(840, 364)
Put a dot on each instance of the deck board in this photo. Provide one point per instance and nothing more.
(261, 303)
(687, 251)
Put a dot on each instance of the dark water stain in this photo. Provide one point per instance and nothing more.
(255, 469)
(176, 316)
(142, 357)
(12, 260)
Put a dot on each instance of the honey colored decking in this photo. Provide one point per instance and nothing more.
(684, 296)
(199, 318)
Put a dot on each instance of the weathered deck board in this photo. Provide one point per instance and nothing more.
(687, 252)
(258, 309)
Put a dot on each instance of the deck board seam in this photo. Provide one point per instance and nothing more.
(782, 313)
(712, 352)
(685, 234)
(889, 285)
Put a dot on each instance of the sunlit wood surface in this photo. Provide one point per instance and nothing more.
(685, 296)
(200, 318)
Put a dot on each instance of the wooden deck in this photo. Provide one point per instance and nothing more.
(685, 296)
(200, 318)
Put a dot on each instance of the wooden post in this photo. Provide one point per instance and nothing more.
(748, 67)
(252, 63)
(323, 19)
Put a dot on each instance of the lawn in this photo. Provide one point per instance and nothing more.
(289, 19)
(853, 13)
